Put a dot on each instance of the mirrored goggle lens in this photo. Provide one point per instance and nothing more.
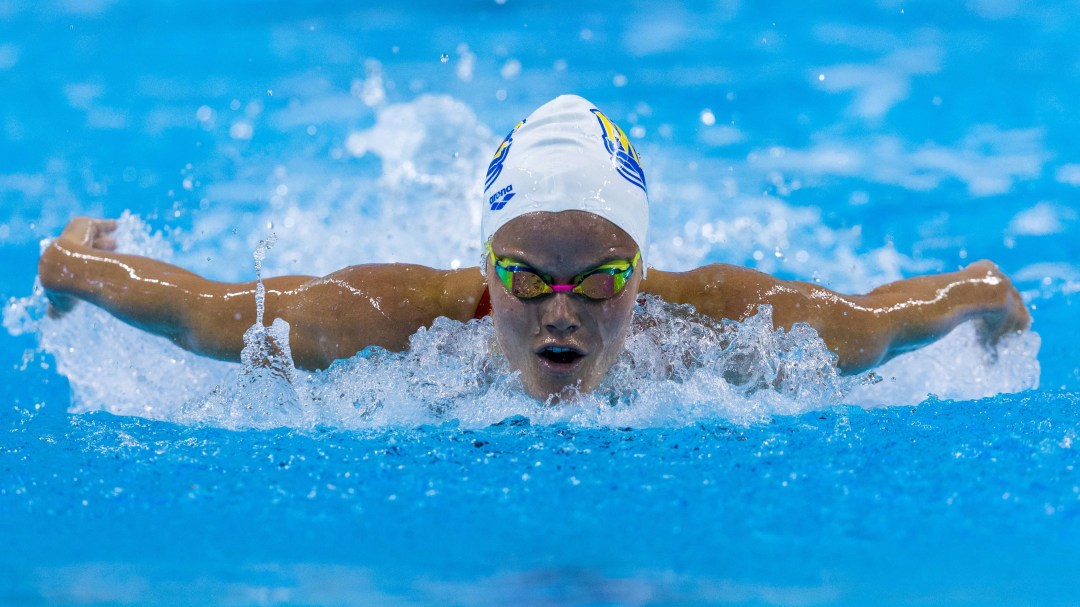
(526, 285)
(598, 286)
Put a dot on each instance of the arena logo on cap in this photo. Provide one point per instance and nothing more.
(499, 199)
(497, 161)
(622, 151)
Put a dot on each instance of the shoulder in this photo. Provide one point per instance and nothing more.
(678, 285)
(451, 293)
(717, 290)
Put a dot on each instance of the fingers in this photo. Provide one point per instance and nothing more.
(1012, 318)
(59, 305)
(984, 265)
(1020, 310)
(93, 233)
(104, 243)
(104, 226)
(1017, 317)
(1007, 315)
(76, 231)
(101, 234)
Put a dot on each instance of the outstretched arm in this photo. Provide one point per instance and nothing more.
(863, 330)
(330, 317)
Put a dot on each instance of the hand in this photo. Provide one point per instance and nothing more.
(88, 232)
(1009, 316)
(80, 232)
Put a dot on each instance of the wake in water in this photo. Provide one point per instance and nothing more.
(677, 368)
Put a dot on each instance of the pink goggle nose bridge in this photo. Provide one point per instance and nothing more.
(562, 288)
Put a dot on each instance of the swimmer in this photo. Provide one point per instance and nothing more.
(564, 237)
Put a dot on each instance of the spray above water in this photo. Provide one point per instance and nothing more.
(678, 368)
(260, 290)
(262, 394)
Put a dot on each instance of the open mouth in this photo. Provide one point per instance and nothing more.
(560, 357)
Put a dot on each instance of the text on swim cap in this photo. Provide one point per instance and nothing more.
(499, 199)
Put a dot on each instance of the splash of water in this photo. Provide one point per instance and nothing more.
(677, 368)
(263, 394)
(429, 152)
(261, 250)
(112, 366)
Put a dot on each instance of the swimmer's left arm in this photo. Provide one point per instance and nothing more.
(863, 330)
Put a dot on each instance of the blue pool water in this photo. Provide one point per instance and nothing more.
(848, 143)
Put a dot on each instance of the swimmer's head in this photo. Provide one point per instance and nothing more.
(563, 287)
(565, 226)
(567, 156)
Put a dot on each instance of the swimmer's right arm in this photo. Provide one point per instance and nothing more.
(331, 317)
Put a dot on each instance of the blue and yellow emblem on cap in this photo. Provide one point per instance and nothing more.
(499, 158)
(622, 151)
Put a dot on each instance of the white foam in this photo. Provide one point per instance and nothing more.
(957, 367)
(112, 366)
(420, 204)
(417, 199)
(677, 368)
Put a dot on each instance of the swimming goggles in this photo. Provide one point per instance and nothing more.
(602, 282)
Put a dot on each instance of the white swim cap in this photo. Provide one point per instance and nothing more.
(567, 156)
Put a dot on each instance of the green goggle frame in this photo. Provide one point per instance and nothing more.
(602, 282)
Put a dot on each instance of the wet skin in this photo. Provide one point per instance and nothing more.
(561, 340)
(336, 316)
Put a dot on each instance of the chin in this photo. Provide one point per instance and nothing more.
(558, 390)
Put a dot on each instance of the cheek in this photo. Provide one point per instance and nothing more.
(616, 320)
(616, 326)
(623, 304)
(513, 324)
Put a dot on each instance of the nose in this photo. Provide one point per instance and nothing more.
(560, 314)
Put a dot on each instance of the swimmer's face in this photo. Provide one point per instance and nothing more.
(561, 340)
